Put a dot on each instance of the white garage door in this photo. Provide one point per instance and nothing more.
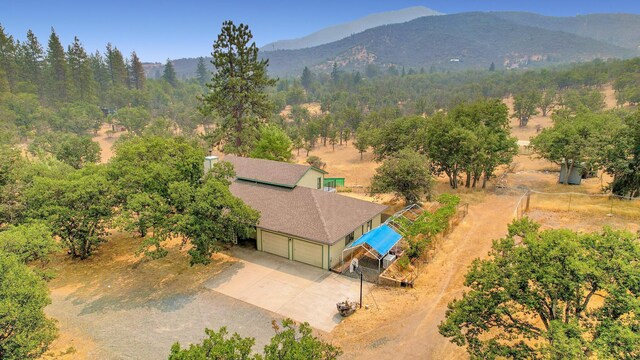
(275, 244)
(307, 252)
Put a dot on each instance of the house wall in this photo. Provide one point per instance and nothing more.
(310, 179)
(335, 250)
(331, 254)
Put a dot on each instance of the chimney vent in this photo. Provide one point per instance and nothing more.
(209, 161)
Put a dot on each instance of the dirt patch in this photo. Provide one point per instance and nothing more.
(105, 138)
(314, 108)
(343, 162)
(402, 323)
(114, 278)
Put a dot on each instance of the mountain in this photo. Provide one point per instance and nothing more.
(617, 29)
(462, 41)
(466, 40)
(341, 31)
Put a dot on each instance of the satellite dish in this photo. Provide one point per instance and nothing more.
(353, 265)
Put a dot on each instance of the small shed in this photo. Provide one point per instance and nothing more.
(333, 182)
(575, 176)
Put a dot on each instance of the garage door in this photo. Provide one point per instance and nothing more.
(307, 252)
(275, 244)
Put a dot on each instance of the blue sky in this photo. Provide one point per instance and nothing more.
(162, 29)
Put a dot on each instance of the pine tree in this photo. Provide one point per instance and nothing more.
(492, 67)
(237, 89)
(31, 57)
(138, 77)
(307, 78)
(83, 85)
(8, 57)
(100, 74)
(201, 72)
(57, 70)
(116, 65)
(335, 73)
(169, 74)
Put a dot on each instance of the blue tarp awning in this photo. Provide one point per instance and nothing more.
(380, 239)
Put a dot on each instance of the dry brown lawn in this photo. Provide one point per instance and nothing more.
(114, 274)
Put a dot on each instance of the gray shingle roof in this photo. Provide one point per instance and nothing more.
(267, 171)
(307, 213)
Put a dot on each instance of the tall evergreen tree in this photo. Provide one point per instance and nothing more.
(201, 72)
(169, 73)
(307, 78)
(335, 73)
(31, 57)
(137, 76)
(116, 65)
(7, 57)
(238, 88)
(57, 70)
(82, 83)
(101, 73)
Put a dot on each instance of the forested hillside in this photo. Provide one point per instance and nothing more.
(341, 31)
(617, 29)
(461, 41)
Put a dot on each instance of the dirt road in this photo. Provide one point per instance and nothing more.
(403, 323)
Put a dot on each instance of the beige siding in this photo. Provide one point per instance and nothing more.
(310, 179)
(275, 244)
(336, 252)
(308, 252)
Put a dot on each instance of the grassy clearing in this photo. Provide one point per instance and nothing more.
(587, 204)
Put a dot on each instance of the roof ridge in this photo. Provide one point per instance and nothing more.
(271, 161)
(322, 220)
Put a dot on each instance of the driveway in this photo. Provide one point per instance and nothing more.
(288, 288)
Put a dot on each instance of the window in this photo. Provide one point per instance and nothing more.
(369, 225)
(319, 183)
(349, 238)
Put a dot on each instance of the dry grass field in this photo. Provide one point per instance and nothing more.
(400, 323)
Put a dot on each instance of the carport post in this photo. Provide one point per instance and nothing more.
(360, 289)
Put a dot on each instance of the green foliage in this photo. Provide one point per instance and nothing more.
(576, 139)
(28, 242)
(274, 144)
(169, 74)
(214, 216)
(525, 105)
(216, 346)
(71, 149)
(26, 332)
(420, 233)
(397, 134)
(406, 175)
(78, 208)
(288, 343)
(237, 89)
(163, 193)
(473, 138)
(619, 154)
(134, 119)
(533, 297)
(315, 161)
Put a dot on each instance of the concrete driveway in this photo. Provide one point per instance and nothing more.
(288, 288)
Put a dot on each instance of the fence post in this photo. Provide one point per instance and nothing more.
(526, 209)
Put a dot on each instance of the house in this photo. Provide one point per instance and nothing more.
(298, 220)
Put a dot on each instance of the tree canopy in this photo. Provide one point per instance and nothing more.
(535, 296)
(288, 343)
(406, 175)
(237, 89)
